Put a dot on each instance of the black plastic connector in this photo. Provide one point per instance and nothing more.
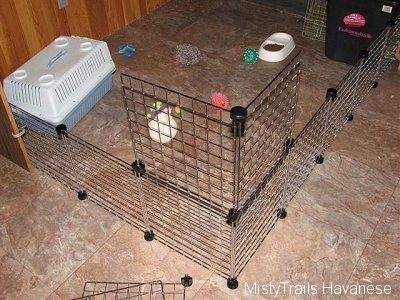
(149, 235)
(138, 168)
(349, 117)
(319, 159)
(82, 195)
(61, 131)
(363, 54)
(331, 94)
(232, 283)
(281, 213)
(187, 280)
(289, 143)
(233, 216)
(238, 116)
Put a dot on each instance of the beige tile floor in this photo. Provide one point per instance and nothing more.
(342, 227)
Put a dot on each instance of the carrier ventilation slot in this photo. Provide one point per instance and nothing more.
(80, 75)
(26, 93)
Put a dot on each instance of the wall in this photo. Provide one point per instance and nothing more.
(27, 26)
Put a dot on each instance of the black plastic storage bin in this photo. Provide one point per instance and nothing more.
(352, 25)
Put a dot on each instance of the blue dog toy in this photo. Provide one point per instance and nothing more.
(127, 49)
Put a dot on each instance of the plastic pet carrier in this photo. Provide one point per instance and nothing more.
(62, 82)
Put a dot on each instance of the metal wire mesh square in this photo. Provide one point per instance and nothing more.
(315, 20)
(154, 290)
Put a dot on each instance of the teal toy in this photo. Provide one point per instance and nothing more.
(250, 56)
(127, 49)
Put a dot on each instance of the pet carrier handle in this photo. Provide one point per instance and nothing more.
(21, 132)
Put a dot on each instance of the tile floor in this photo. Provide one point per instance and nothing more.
(342, 227)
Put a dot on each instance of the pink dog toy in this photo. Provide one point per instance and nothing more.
(220, 100)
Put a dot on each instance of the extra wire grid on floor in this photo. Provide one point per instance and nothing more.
(152, 290)
(315, 20)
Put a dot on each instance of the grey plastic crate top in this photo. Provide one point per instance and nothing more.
(62, 82)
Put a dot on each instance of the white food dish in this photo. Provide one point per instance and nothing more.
(279, 38)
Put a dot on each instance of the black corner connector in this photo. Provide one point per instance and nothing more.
(319, 159)
(138, 168)
(149, 235)
(187, 280)
(363, 54)
(82, 195)
(331, 94)
(349, 117)
(289, 143)
(232, 283)
(233, 216)
(238, 115)
(61, 130)
(281, 213)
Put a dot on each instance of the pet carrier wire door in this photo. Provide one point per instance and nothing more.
(205, 174)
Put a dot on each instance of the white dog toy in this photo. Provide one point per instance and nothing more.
(163, 127)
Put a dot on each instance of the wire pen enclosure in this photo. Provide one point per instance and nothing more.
(210, 183)
(62, 82)
(202, 170)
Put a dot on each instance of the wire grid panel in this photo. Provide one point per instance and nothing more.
(108, 181)
(309, 144)
(188, 182)
(315, 20)
(154, 290)
(259, 217)
(316, 137)
(380, 55)
(189, 225)
(268, 128)
(265, 160)
(200, 158)
(359, 81)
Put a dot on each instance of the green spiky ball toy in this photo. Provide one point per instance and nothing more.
(250, 56)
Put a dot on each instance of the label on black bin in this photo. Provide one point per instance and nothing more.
(387, 9)
(353, 24)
